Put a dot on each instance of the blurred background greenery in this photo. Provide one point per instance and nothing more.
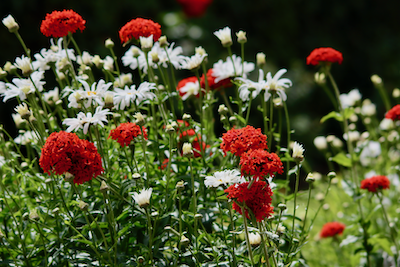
(366, 32)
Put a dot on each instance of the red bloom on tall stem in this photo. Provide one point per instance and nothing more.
(332, 229)
(59, 23)
(211, 81)
(194, 8)
(258, 198)
(140, 27)
(187, 91)
(393, 113)
(260, 163)
(375, 183)
(239, 141)
(126, 132)
(65, 152)
(324, 54)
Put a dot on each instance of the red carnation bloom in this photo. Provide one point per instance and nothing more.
(196, 146)
(258, 198)
(182, 83)
(375, 183)
(324, 54)
(393, 113)
(140, 28)
(332, 229)
(65, 152)
(211, 81)
(126, 132)
(239, 141)
(59, 23)
(260, 163)
(194, 8)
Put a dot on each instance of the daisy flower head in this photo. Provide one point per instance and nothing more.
(298, 151)
(23, 111)
(225, 177)
(248, 87)
(258, 198)
(188, 87)
(225, 36)
(24, 64)
(143, 198)
(212, 84)
(60, 23)
(64, 152)
(394, 113)
(95, 92)
(139, 27)
(84, 120)
(324, 55)
(125, 133)
(146, 43)
(193, 62)
(226, 69)
(260, 164)
(332, 229)
(350, 99)
(23, 87)
(277, 85)
(375, 183)
(239, 141)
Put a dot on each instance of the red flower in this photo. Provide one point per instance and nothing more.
(332, 229)
(211, 81)
(139, 27)
(65, 152)
(394, 113)
(375, 183)
(194, 8)
(164, 164)
(259, 163)
(258, 198)
(239, 141)
(126, 132)
(59, 23)
(196, 146)
(324, 54)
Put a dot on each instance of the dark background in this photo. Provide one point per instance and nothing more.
(366, 32)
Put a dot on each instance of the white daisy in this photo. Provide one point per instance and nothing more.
(172, 55)
(190, 88)
(277, 85)
(249, 87)
(143, 198)
(95, 92)
(350, 99)
(23, 87)
(84, 120)
(225, 36)
(225, 69)
(226, 177)
(298, 151)
(193, 62)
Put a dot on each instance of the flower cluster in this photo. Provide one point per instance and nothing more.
(324, 54)
(64, 152)
(260, 163)
(332, 229)
(257, 198)
(393, 113)
(375, 183)
(60, 23)
(194, 8)
(126, 132)
(239, 141)
(140, 27)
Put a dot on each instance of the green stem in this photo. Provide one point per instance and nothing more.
(27, 51)
(44, 246)
(247, 236)
(296, 189)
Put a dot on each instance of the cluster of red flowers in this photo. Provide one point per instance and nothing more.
(140, 27)
(332, 229)
(194, 8)
(239, 141)
(126, 132)
(324, 54)
(59, 23)
(258, 198)
(65, 152)
(260, 163)
(393, 113)
(375, 183)
(211, 81)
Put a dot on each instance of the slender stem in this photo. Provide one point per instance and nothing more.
(145, 158)
(249, 108)
(194, 197)
(27, 51)
(232, 223)
(296, 189)
(44, 246)
(150, 236)
(247, 236)
(264, 246)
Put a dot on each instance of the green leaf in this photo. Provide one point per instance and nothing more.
(349, 240)
(123, 230)
(337, 116)
(377, 207)
(382, 243)
(224, 197)
(341, 159)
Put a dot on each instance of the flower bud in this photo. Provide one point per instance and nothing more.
(23, 111)
(69, 177)
(187, 150)
(396, 93)
(146, 43)
(10, 68)
(331, 175)
(198, 216)
(180, 185)
(186, 117)
(254, 239)
(184, 241)
(56, 211)
(222, 109)
(241, 35)
(163, 41)
(140, 259)
(83, 205)
(319, 78)
(136, 176)
(139, 119)
(104, 187)
(200, 51)
(109, 43)
(298, 151)
(376, 80)
(154, 57)
(282, 206)
(135, 52)
(34, 216)
(10, 23)
(260, 59)
(310, 178)
(169, 129)
(98, 62)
